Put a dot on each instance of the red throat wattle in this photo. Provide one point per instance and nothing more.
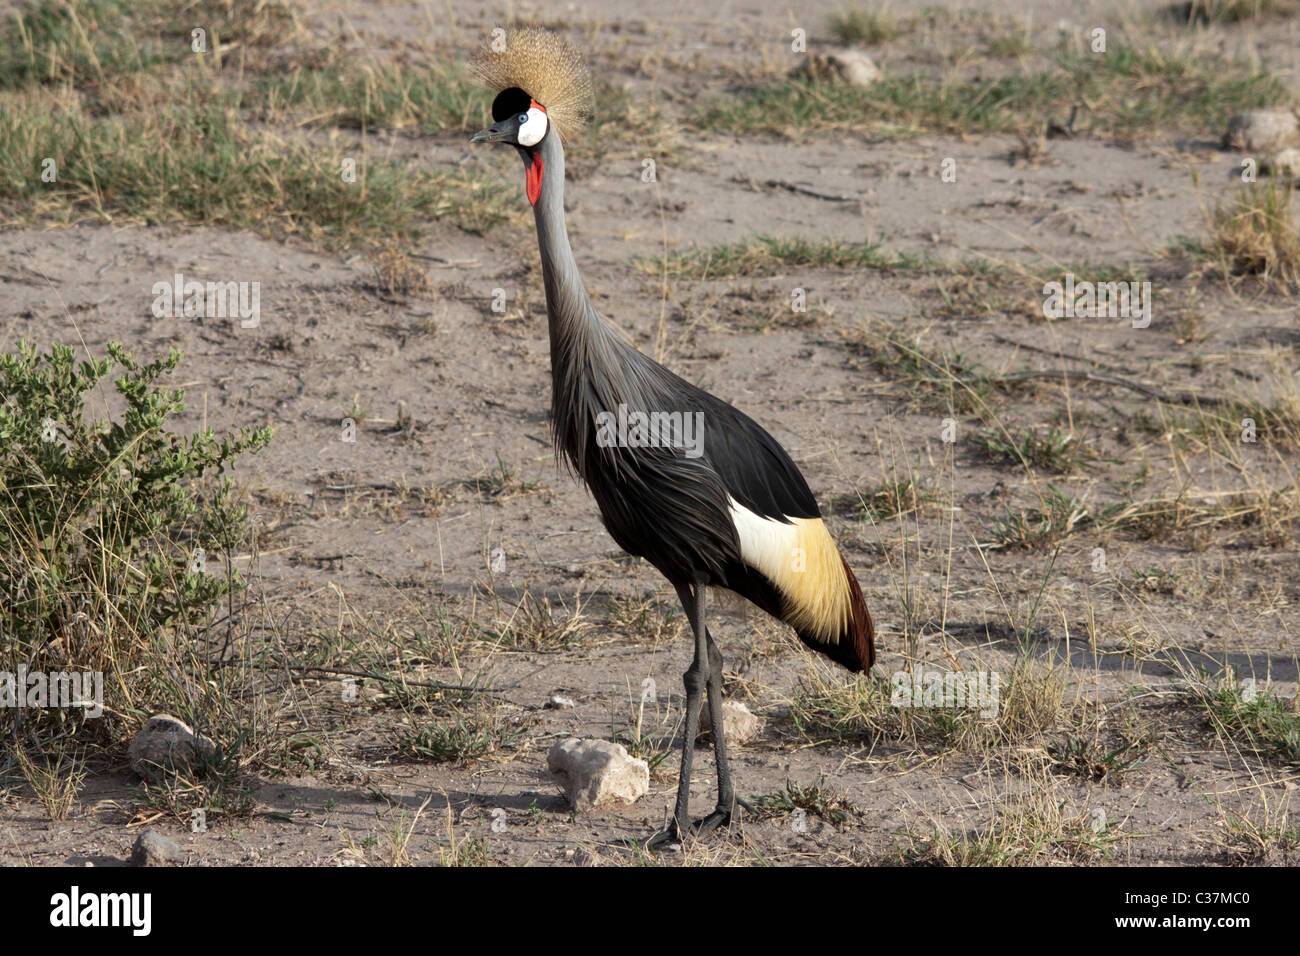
(533, 179)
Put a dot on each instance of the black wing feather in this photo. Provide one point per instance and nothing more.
(669, 508)
(752, 465)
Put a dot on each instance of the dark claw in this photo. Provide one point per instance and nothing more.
(720, 818)
(664, 838)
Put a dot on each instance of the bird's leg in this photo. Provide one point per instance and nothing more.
(726, 795)
(705, 673)
(694, 680)
(727, 799)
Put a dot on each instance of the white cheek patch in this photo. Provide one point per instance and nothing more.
(533, 129)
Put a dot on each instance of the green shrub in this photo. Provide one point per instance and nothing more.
(115, 540)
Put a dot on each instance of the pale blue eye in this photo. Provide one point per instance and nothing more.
(523, 117)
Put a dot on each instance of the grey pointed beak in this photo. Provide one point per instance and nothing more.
(497, 133)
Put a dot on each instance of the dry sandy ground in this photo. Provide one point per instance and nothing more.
(381, 533)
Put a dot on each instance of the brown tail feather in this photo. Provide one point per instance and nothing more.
(855, 647)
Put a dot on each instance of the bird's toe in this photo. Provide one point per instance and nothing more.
(721, 818)
(664, 838)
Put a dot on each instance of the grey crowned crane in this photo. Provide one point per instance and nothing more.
(731, 512)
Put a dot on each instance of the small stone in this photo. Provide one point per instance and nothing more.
(154, 849)
(844, 65)
(560, 702)
(597, 773)
(167, 745)
(739, 725)
(1262, 130)
(1286, 164)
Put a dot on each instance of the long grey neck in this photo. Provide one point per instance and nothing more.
(567, 302)
(586, 358)
(593, 369)
(574, 322)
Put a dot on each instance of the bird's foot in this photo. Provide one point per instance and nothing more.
(664, 838)
(718, 818)
(721, 818)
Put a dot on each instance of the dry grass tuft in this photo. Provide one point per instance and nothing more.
(398, 274)
(865, 26)
(1031, 703)
(1030, 827)
(1256, 234)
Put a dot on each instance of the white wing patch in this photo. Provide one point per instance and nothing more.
(765, 545)
(801, 560)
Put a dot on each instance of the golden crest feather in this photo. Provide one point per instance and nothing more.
(547, 68)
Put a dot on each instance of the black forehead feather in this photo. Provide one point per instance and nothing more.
(510, 102)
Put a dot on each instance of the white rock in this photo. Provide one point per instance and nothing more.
(1286, 163)
(560, 702)
(1262, 130)
(739, 726)
(843, 65)
(597, 773)
(166, 744)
